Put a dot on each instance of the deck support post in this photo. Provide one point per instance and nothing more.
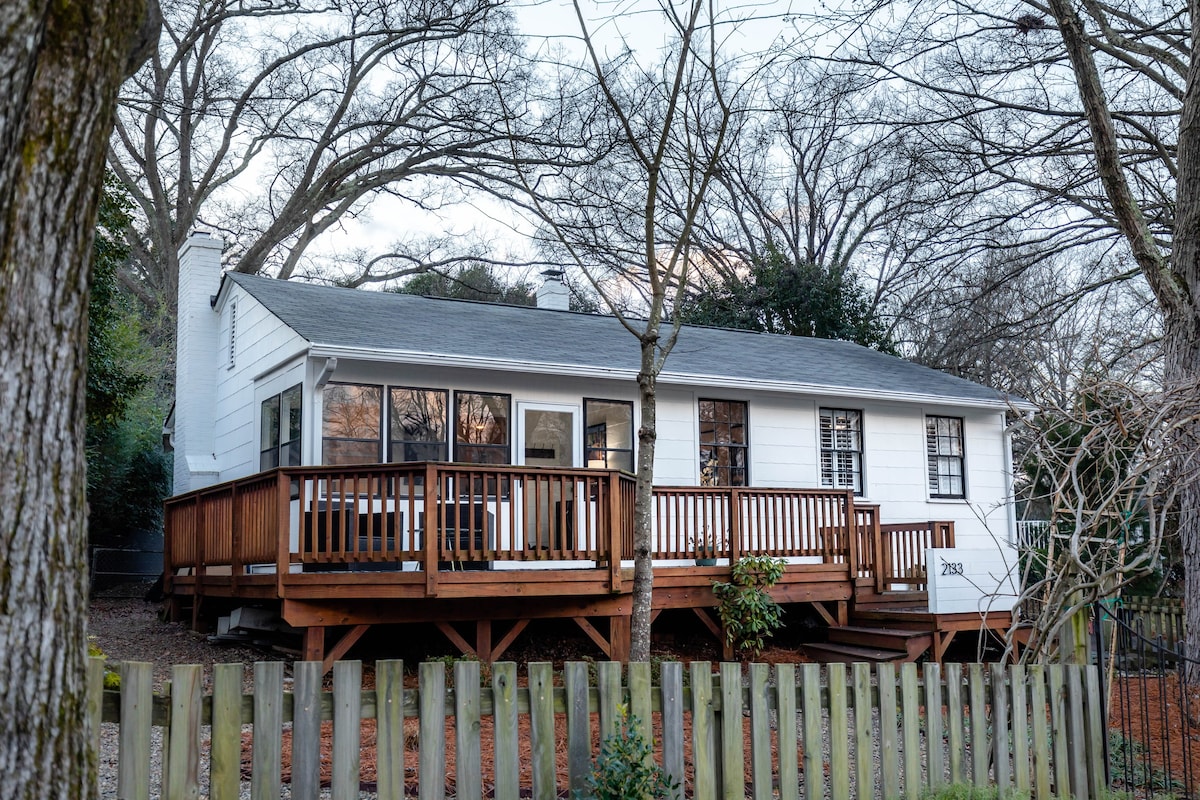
(314, 643)
(619, 630)
(483, 640)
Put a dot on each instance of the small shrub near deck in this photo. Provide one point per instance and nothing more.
(625, 768)
(748, 614)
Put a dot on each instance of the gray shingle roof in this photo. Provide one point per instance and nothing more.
(354, 319)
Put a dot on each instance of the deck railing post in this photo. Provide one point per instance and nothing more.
(235, 538)
(616, 524)
(283, 527)
(882, 558)
(850, 531)
(202, 536)
(433, 522)
(735, 526)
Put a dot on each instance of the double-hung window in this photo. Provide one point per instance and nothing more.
(417, 424)
(481, 428)
(279, 429)
(608, 434)
(724, 448)
(351, 419)
(841, 449)
(944, 448)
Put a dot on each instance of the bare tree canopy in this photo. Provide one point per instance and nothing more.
(274, 123)
(60, 67)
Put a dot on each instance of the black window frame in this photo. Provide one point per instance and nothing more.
(381, 420)
(506, 448)
(605, 449)
(859, 480)
(273, 456)
(934, 456)
(708, 451)
(392, 443)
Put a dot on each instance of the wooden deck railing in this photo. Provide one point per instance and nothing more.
(432, 517)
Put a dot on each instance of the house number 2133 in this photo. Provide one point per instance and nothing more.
(952, 568)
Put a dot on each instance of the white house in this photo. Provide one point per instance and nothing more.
(276, 373)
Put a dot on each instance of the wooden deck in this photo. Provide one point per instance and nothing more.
(482, 551)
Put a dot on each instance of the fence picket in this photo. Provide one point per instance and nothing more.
(95, 706)
(789, 767)
(672, 725)
(641, 703)
(431, 756)
(954, 721)
(864, 775)
(889, 758)
(760, 734)
(133, 771)
(910, 729)
(266, 761)
(225, 735)
(1098, 778)
(579, 732)
(935, 770)
(347, 729)
(1076, 733)
(977, 693)
(389, 729)
(810, 697)
(505, 731)
(839, 757)
(1058, 729)
(306, 730)
(703, 734)
(468, 753)
(608, 678)
(1041, 731)
(1020, 729)
(733, 754)
(184, 742)
(541, 730)
(1000, 703)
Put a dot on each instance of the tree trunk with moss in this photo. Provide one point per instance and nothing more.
(61, 64)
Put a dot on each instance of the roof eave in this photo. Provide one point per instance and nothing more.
(667, 377)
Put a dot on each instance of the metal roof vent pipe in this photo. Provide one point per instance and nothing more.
(553, 293)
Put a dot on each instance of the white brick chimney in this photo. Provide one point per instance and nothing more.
(196, 350)
(553, 292)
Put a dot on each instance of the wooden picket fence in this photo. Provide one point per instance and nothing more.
(760, 732)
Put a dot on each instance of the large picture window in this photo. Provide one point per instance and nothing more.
(724, 448)
(279, 429)
(944, 446)
(351, 418)
(417, 425)
(841, 449)
(608, 434)
(481, 428)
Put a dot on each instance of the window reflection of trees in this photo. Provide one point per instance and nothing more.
(351, 412)
(482, 419)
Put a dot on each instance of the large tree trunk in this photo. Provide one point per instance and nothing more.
(60, 67)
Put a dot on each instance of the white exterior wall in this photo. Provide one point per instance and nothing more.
(268, 358)
(195, 358)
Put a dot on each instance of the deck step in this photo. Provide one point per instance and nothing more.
(910, 642)
(848, 654)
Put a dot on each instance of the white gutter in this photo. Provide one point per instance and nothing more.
(669, 378)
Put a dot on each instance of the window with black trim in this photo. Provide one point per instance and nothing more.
(351, 419)
(481, 434)
(417, 424)
(279, 429)
(608, 434)
(724, 448)
(945, 448)
(841, 449)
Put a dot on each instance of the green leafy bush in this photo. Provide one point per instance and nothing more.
(748, 614)
(966, 791)
(625, 768)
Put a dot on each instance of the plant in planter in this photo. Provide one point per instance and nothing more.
(707, 546)
(748, 614)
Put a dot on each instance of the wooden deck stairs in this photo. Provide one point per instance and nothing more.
(850, 643)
